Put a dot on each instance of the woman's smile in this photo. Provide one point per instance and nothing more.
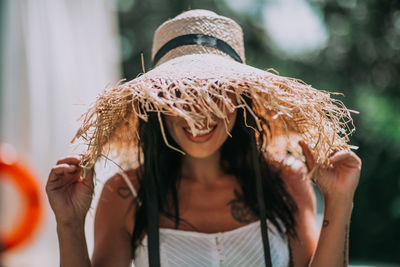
(204, 140)
(202, 135)
(200, 143)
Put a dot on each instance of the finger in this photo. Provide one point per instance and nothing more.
(88, 176)
(87, 173)
(294, 167)
(72, 159)
(62, 174)
(349, 156)
(64, 169)
(276, 160)
(310, 161)
(333, 153)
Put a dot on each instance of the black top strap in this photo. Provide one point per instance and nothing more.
(261, 203)
(196, 39)
(153, 235)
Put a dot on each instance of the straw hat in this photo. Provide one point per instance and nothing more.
(199, 60)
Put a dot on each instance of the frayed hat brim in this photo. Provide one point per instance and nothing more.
(196, 88)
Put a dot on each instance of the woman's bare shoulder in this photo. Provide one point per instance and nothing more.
(118, 199)
(123, 185)
(114, 221)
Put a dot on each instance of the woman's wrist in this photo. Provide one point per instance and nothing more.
(338, 200)
(338, 209)
(72, 242)
(71, 233)
(72, 224)
(332, 249)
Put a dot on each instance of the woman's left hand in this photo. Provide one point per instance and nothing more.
(337, 180)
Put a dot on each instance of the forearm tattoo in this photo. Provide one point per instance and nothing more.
(240, 211)
(346, 236)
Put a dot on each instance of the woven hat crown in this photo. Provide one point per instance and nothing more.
(198, 21)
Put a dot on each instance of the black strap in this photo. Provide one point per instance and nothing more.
(261, 203)
(196, 39)
(153, 237)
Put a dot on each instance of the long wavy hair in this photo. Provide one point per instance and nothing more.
(163, 165)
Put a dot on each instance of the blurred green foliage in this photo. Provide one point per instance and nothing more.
(361, 59)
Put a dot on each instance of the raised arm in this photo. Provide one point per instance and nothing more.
(338, 182)
(70, 197)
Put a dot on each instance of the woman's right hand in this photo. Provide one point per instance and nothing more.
(69, 194)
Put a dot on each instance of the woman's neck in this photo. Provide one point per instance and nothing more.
(202, 170)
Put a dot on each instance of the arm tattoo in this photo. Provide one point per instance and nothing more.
(124, 192)
(325, 223)
(346, 236)
(240, 211)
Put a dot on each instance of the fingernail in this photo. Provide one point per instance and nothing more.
(290, 160)
(72, 168)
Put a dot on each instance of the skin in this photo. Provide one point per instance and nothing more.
(70, 196)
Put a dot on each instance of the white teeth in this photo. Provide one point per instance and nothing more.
(200, 132)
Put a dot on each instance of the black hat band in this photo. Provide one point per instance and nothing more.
(196, 39)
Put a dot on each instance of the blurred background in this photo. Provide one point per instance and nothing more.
(56, 55)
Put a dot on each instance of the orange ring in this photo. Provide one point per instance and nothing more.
(29, 189)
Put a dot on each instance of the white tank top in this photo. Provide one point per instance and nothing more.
(239, 247)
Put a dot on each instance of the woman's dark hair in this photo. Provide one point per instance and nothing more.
(163, 165)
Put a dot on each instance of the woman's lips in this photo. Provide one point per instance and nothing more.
(200, 138)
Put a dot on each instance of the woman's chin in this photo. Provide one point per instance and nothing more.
(199, 152)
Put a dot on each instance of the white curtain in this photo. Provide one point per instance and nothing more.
(57, 55)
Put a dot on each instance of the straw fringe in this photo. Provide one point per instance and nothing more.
(293, 109)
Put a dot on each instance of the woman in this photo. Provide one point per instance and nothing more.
(230, 130)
